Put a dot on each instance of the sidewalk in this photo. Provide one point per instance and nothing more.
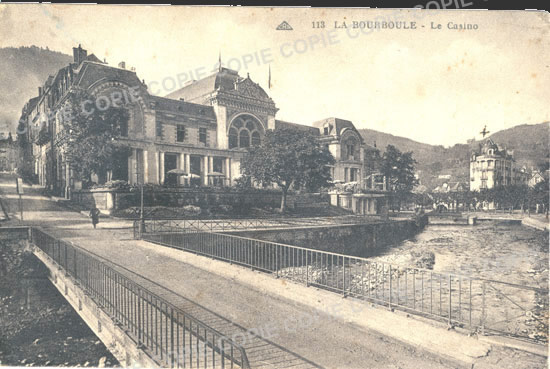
(294, 334)
(301, 327)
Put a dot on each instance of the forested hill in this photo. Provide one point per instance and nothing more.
(530, 143)
(23, 70)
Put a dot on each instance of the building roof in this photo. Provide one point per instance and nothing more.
(337, 127)
(183, 107)
(224, 80)
(195, 91)
(281, 124)
(91, 73)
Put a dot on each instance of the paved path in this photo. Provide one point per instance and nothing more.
(230, 306)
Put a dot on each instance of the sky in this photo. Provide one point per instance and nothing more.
(435, 85)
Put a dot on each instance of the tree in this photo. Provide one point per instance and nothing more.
(25, 167)
(289, 157)
(92, 136)
(540, 195)
(398, 168)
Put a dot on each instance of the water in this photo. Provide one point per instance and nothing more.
(492, 250)
(37, 325)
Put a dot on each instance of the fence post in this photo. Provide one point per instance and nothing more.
(390, 299)
(450, 296)
(277, 260)
(483, 310)
(66, 263)
(344, 276)
(307, 270)
(74, 263)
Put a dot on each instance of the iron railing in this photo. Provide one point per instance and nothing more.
(221, 225)
(166, 332)
(478, 304)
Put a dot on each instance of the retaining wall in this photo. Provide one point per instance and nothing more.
(105, 199)
(356, 239)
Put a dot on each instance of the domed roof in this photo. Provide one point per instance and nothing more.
(226, 80)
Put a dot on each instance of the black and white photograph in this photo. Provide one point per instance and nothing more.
(274, 187)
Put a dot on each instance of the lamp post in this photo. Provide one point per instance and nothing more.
(141, 228)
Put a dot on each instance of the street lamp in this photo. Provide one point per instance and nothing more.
(141, 228)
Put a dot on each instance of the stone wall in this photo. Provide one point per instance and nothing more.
(357, 239)
(106, 199)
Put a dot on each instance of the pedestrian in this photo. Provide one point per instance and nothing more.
(94, 214)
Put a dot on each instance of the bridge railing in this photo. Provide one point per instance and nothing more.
(473, 303)
(221, 225)
(166, 332)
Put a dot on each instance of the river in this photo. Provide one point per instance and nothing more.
(37, 325)
(492, 250)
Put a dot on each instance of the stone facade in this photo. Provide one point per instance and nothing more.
(491, 167)
(201, 130)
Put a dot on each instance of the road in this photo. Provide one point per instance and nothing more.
(231, 307)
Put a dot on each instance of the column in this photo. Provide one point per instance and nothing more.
(145, 166)
(161, 167)
(68, 180)
(181, 165)
(188, 167)
(228, 171)
(204, 160)
(132, 167)
(157, 170)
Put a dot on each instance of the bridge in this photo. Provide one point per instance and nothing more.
(193, 296)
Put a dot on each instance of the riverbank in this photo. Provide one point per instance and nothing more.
(37, 326)
(492, 250)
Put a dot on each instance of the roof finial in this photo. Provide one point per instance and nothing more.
(485, 131)
(220, 61)
(269, 79)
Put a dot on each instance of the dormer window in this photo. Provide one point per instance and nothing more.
(351, 151)
(326, 129)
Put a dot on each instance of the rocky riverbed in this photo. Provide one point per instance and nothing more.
(37, 326)
(512, 254)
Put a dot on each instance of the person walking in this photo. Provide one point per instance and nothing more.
(94, 214)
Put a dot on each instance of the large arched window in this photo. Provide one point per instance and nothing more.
(256, 140)
(244, 138)
(233, 138)
(350, 148)
(245, 131)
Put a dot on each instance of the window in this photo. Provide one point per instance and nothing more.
(244, 132)
(351, 152)
(180, 133)
(123, 128)
(233, 138)
(217, 164)
(353, 174)
(325, 131)
(202, 135)
(159, 129)
(244, 139)
(256, 141)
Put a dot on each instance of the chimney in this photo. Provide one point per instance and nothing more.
(122, 65)
(79, 54)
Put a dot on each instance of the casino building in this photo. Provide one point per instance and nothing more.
(202, 129)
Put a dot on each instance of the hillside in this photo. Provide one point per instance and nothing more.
(529, 142)
(23, 70)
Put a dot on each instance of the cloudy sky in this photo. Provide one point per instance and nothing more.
(439, 86)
